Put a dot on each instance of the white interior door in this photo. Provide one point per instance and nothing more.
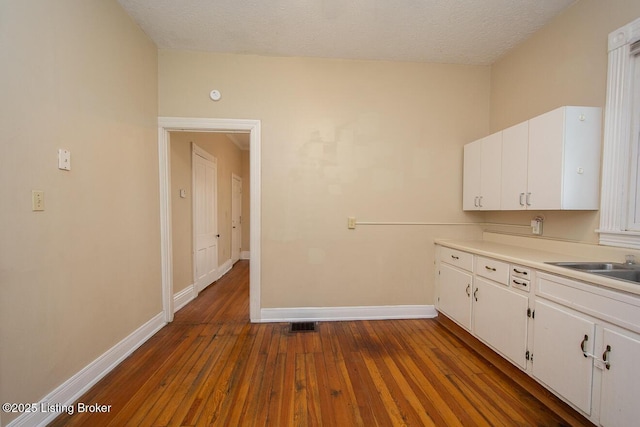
(205, 223)
(236, 217)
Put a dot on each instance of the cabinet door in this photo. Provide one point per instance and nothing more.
(558, 360)
(546, 136)
(500, 319)
(454, 297)
(581, 168)
(471, 176)
(621, 382)
(515, 141)
(491, 172)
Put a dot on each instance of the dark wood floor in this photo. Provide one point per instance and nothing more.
(212, 367)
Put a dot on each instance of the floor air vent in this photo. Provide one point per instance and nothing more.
(303, 327)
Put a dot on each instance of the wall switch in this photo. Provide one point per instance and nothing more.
(37, 200)
(64, 159)
(351, 223)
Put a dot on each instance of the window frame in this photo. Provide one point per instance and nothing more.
(617, 168)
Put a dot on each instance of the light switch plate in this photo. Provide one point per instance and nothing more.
(64, 159)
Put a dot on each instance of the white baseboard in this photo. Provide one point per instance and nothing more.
(225, 268)
(81, 382)
(348, 313)
(245, 255)
(184, 297)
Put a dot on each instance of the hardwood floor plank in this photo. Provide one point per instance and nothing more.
(212, 367)
(342, 392)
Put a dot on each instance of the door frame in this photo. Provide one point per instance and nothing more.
(198, 151)
(169, 124)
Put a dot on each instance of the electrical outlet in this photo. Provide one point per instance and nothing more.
(351, 223)
(37, 200)
(536, 225)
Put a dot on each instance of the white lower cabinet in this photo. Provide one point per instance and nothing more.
(455, 294)
(579, 340)
(620, 395)
(475, 293)
(500, 319)
(586, 348)
(560, 335)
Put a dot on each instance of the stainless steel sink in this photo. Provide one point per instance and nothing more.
(593, 265)
(628, 272)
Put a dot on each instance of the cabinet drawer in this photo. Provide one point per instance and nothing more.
(521, 272)
(458, 258)
(520, 277)
(497, 271)
(518, 283)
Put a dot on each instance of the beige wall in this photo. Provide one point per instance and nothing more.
(229, 158)
(565, 63)
(79, 277)
(377, 140)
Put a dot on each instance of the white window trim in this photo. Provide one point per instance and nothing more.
(617, 139)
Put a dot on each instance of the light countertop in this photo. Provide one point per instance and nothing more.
(537, 260)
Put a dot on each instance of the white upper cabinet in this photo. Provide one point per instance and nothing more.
(551, 162)
(564, 159)
(515, 146)
(482, 173)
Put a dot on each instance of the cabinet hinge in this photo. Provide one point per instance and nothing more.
(529, 356)
(531, 313)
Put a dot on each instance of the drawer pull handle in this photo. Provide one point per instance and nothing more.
(469, 290)
(455, 257)
(583, 344)
(475, 294)
(605, 357)
(515, 270)
(489, 268)
(519, 283)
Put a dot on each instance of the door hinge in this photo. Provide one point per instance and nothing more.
(529, 356)
(531, 313)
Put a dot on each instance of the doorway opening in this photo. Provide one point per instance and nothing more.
(230, 126)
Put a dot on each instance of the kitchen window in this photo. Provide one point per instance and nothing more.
(620, 195)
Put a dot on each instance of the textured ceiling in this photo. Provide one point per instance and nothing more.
(442, 31)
